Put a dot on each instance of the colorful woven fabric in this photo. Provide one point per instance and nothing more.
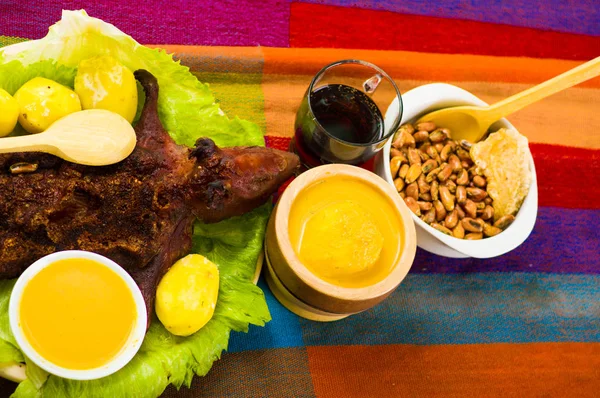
(523, 324)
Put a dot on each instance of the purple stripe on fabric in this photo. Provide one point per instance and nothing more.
(564, 16)
(563, 241)
(201, 22)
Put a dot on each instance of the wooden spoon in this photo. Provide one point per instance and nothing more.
(471, 123)
(94, 137)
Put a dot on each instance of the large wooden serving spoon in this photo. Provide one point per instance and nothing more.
(94, 137)
(471, 122)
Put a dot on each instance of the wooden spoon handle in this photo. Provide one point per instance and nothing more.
(561, 82)
(26, 143)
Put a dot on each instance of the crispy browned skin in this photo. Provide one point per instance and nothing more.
(138, 212)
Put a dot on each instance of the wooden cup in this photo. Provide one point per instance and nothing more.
(296, 287)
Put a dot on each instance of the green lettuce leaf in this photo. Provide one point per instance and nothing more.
(9, 351)
(14, 74)
(188, 111)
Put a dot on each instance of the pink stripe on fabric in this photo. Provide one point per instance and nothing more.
(225, 22)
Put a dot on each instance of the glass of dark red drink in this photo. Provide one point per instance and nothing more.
(341, 117)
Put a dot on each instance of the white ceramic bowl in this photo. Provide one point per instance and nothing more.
(430, 97)
(121, 359)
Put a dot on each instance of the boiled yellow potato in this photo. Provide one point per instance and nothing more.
(341, 239)
(9, 114)
(187, 295)
(42, 102)
(104, 83)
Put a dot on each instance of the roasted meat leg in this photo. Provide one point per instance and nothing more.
(138, 212)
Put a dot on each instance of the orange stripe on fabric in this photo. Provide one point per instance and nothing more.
(570, 118)
(487, 370)
(409, 65)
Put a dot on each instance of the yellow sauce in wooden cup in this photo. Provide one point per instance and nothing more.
(339, 241)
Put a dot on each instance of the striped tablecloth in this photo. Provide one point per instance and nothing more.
(523, 324)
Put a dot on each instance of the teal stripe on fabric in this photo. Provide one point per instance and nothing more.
(474, 309)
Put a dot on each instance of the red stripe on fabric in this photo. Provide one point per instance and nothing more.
(281, 143)
(566, 175)
(313, 25)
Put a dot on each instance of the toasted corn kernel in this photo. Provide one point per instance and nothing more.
(505, 221)
(421, 136)
(461, 212)
(479, 181)
(451, 219)
(404, 140)
(413, 173)
(474, 236)
(487, 213)
(429, 217)
(476, 194)
(461, 195)
(399, 184)
(413, 156)
(441, 228)
(432, 152)
(450, 184)
(454, 161)
(426, 126)
(434, 191)
(395, 164)
(471, 225)
(447, 198)
(438, 135)
(465, 144)
(433, 173)
(470, 208)
(395, 152)
(444, 173)
(403, 171)
(423, 186)
(445, 152)
(412, 191)
(424, 206)
(425, 196)
(429, 165)
(490, 230)
(440, 210)
(412, 205)
(458, 231)
(463, 177)
(463, 155)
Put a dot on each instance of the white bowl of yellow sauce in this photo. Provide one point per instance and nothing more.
(338, 242)
(77, 315)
